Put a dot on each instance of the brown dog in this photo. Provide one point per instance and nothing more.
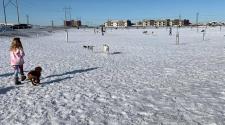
(34, 75)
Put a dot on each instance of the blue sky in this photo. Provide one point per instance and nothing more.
(94, 12)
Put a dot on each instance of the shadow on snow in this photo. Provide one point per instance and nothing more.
(56, 80)
(5, 90)
(67, 73)
(6, 75)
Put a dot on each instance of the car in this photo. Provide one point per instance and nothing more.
(21, 26)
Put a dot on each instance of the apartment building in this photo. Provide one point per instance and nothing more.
(72, 23)
(139, 24)
(148, 23)
(166, 22)
(118, 23)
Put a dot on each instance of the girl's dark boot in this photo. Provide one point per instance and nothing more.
(23, 77)
(16, 80)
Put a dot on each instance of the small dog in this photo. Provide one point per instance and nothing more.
(145, 32)
(85, 47)
(89, 47)
(34, 75)
(106, 48)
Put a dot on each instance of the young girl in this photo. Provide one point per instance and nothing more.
(16, 59)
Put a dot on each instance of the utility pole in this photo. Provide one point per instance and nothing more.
(4, 12)
(180, 18)
(197, 16)
(65, 17)
(27, 16)
(18, 15)
(52, 23)
(67, 12)
(204, 33)
(70, 12)
(65, 25)
(179, 23)
(15, 5)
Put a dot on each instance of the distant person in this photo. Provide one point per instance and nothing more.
(16, 60)
(95, 30)
(102, 30)
(170, 32)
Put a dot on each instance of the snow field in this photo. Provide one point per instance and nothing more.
(146, 79)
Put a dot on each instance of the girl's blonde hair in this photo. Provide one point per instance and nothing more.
(16, 44)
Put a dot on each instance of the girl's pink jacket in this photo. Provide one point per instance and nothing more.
(16, 57)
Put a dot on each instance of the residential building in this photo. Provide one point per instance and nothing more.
(186, 22)
(72, 23)
(148, 23)
(139, 24)
(163, 23)
(118, 23)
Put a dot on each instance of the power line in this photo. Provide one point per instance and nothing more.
(15, 5)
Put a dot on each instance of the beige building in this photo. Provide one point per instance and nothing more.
(148, 23)
(155, 23)
(160, 23)
(118, 23)
(139, 24)
(163, 23)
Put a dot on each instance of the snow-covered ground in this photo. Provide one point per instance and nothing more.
(144, 80)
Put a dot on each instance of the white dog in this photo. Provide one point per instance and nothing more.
(105, 48)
